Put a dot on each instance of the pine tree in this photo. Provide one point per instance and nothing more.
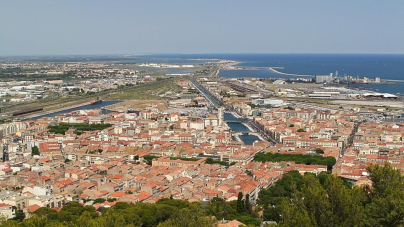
(386, 207)
(240, 203)
(248, 207)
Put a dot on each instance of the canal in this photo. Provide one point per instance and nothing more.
(239, 127)
(85, 107)
(202, 90)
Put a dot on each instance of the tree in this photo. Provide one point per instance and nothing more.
(240, 203)
(345, 203)
(111, 200)
(103, 172)
(35, 151)
(112, 219)
(386, 198)
(37, 221)
(291, 125)
(329, 204)
(189, 217)
(319, 151)
(19, 215)
(43, 211)
(315, 200)
(300, 130)
(248, 207)
(295, 216)
(86, 220)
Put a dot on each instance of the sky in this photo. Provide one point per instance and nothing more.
(56, 27)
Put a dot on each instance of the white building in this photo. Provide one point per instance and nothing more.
(272, 102)
(324, 78)
(6, 210)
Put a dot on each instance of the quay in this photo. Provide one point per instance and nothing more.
(287, 74)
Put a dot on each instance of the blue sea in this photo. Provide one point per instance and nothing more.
(385, 66)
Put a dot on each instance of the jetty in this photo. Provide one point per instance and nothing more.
(287, 74)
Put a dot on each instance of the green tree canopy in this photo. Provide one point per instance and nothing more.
(35, 151)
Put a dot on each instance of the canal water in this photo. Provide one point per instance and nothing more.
(239, 127)
(85, 107)
(206, 96)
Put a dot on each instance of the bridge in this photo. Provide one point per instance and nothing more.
(246, 133)
(240, 120)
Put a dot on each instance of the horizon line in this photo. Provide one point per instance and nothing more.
(196, 53)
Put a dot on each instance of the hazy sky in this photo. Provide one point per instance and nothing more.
(231, 26)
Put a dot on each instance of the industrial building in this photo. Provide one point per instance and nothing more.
(320, 79)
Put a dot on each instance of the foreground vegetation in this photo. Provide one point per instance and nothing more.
(295, 200)
(327, 200)
(165, 213)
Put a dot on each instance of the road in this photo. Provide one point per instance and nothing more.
(350, 138)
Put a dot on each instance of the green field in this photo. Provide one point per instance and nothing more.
(141, 91)
(147, 91)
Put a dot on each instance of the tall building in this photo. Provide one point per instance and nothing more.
(221, 116)
(324, 79)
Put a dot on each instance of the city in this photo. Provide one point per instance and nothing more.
(201, 114)
(204, 137)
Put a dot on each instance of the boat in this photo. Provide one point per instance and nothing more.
(98, 101)
(132, 111)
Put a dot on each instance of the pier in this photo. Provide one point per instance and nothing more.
(287, 74)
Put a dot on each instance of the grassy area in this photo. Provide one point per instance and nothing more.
(148, 91)
(131, 95)
(141, 91)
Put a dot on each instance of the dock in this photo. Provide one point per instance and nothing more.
(287, 74)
